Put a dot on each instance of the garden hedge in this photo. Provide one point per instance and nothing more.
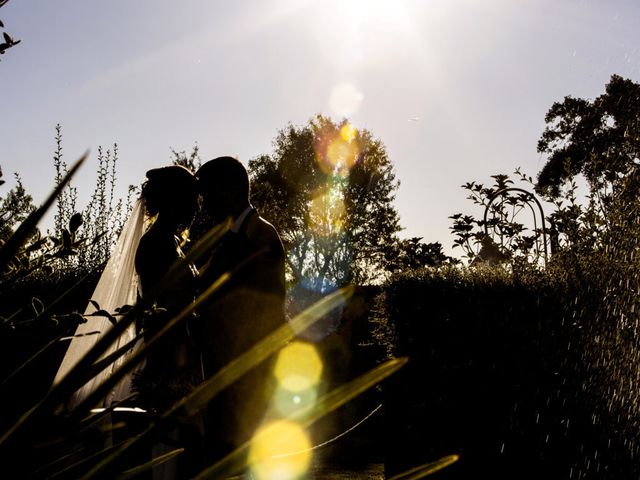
(497, 374)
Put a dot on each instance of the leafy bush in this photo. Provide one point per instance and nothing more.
(504, 204)
(511, 369)
(104, 215)
(15, 206)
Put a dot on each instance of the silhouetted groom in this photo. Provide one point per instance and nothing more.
(248, 307)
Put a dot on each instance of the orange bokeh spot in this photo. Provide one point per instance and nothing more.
(348, 132)
(342, 155)
(280, 451)
(339, 152)
(299, 367)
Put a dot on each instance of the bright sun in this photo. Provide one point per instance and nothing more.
(357, 33)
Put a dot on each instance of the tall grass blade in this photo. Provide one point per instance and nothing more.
(69, 468)
(130, 363)
(196, 252)
(177, 270)
(41, 315)
(263, 350)
(49, 307)
(28, 362)
(94, 419)
(77, 376)
(426, 469)
(20, 236)
(159, 460)
(64, 295)
(236, 461)
(109, 359)
(195, 401)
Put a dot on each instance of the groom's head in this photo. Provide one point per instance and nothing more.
(224, 185)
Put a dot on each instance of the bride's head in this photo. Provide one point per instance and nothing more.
(171, 193)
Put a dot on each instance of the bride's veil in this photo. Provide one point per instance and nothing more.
(118, 286)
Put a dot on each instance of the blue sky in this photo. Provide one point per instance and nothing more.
(456, 89)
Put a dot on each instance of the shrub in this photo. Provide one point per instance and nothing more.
(501, 372)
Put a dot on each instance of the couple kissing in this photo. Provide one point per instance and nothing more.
(247, 307)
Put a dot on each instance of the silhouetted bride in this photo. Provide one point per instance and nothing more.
(139, 261)
(172, 367)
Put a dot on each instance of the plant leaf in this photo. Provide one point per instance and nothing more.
(75, 222)
(124, 309)
(15, 242)
(104, 313)
(135, 471)
(426, 469)
(37, 305)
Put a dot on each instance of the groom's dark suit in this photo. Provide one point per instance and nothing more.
(249, 306)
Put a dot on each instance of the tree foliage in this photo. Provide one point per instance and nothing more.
(191, 161)
(24, 250)
(413, 254)
(511, 230)
(7, 41)
(104, 214)
(329, 188)
(600, 140)
(14, 207)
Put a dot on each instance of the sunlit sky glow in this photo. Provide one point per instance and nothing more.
(456, 89)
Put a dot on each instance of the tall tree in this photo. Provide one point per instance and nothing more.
(329, 188)
(599, 139)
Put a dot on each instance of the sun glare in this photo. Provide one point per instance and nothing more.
(348, 132)
(345, 99)
(280, 451)
(360, 33)
(298, 367)
(338, 152)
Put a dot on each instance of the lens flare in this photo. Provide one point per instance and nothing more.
(280, 451)
(337, 151)
(342, 155)
(286, 402)
(327, 212)
(306, 292)
(348, 132)
(338, 156)
(298, 367)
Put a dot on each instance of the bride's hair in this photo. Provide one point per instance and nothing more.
(172, 193)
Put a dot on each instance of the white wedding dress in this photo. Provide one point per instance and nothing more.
(117, 286)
